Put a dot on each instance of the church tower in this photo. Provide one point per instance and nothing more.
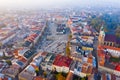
(101, 36)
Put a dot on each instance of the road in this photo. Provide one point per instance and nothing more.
(94, 53)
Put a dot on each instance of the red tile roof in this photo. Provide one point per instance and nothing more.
(38, 78)
(31, 37)
(100, 52)
(4, 79)
(22, 59)
(110, 47)
(35, 28)
(44, 54)
(34, 66)
(117, 67)
(62, 61)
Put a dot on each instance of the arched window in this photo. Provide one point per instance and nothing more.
(110, 44)
(104, 43)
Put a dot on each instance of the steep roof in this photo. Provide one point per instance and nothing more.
(117, 68)
(38, 78)
(110, 37)
(118, 41)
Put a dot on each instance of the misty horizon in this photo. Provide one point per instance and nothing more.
(57, 3)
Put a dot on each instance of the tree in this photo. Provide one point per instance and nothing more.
(64, 74)
(70, 37)
(114, 59)
(37, 72)
(68, 45)
(118, 31)
(83, 78)
(60, 76)
(45, 74)
(97, 23)
(8, 62)
(68, 49)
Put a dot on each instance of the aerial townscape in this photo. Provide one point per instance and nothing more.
(77, 43)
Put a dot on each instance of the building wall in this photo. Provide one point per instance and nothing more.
(87, 48)
(108, 43)
(61, 69)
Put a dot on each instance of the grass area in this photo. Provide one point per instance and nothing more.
(114, 59)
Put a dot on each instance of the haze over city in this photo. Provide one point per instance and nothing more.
(56, 3)
(59, 40)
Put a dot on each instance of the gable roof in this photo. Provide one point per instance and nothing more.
(110, 37)
(118, 41)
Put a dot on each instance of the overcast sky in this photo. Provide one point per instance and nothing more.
(55, 3)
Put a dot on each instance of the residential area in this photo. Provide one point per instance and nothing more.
(59, 44)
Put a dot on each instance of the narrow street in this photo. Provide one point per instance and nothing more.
(95, 51)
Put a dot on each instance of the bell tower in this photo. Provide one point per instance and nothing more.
(101, 36)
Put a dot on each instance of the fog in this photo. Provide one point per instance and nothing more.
(56, 3)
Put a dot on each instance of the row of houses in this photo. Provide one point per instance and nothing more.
(82, 41)
(18, 64)
(82, 34)
(46, 62)
(31, 68)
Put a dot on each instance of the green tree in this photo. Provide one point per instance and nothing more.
(70, 37)
(45, 74)
(97, 23)
(59, 76)
(118, 31)
(68, 49)
(37, 72)
(83, 78)
(8, 62)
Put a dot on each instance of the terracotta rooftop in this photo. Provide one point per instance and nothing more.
(62, 61)
(90, 60)
(38, 78)
(117, 67)
(44, 54)
(89, 70)
(22, 59)
(110, 47)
